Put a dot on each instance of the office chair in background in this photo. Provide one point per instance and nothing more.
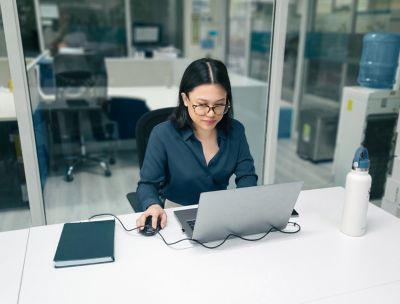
(125, 112)
(144, 127)
(81, 87)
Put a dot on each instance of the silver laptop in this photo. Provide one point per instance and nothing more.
(242, 211)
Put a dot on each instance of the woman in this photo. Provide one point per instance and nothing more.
(199, 148)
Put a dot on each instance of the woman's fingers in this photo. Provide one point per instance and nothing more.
(163, 219)
(156, 212)
(141, 220)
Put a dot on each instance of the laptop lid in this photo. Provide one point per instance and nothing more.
(242, 211)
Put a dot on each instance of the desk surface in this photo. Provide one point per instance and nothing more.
(156, 97)
(7, 107)
(12, 255)
(318, 264)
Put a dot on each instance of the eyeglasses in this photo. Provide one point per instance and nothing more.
(202, 110)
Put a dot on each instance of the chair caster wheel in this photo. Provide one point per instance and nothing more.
(112, 161)
(107, 173)
(69, 178)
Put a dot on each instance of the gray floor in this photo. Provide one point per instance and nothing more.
(290, 167)
(91, 192)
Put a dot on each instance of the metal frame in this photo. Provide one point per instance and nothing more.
(299, 78)
(39, 25)
(277, 54)
(128, 28)
(23, 109)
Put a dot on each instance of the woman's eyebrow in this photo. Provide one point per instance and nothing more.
(206, 100)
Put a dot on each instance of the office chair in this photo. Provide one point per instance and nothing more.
(144, 127)
(125, 112)
(81, 86)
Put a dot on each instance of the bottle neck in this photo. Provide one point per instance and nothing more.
(360, 170)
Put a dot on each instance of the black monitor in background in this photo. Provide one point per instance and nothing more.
(146, 34)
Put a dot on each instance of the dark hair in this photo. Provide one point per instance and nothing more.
(199, 72)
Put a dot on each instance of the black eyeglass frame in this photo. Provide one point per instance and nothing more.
(226, 109)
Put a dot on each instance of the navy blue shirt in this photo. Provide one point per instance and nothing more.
(175, 168)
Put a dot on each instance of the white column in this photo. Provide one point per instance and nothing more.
(275, 87)
(299, 78)
(128, 27)
(23, 109)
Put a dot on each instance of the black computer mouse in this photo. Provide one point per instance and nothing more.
(148, 230)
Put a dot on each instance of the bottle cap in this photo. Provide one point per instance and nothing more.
(361, 160)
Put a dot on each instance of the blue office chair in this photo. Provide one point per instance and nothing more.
(143, 129)
(125, 112)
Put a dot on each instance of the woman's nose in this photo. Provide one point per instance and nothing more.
(211, 112)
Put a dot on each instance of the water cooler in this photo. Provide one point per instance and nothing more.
(368, 117)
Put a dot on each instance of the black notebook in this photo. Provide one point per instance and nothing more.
(85, 243)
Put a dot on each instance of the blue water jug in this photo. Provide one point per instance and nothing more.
(379, 59)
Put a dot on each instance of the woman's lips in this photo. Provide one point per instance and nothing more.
(209, 122)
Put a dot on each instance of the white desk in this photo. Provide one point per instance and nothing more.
(12, 255)
(156, 97)
(318, 264)
(385, 293)
(7, 107)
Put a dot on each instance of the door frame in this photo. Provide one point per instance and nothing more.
(23, 109)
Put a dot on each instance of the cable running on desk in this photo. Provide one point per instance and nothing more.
(294, 224)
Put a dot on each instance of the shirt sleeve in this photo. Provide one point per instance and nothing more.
(245, 171)
(152, 173)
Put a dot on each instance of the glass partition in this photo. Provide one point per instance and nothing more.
(319, 147)
(86, 95)
(157, 26)
(94, 25)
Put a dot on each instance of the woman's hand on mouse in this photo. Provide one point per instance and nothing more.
(155, 211)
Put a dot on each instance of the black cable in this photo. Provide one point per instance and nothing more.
(116, 217)
(201, 243)
(234, 235)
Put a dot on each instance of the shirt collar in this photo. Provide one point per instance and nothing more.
(188, 133)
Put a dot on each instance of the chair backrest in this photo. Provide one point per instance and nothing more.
(144, 127)
(80, 76)
(126, 112)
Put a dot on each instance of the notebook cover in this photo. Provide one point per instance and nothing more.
(85, 243)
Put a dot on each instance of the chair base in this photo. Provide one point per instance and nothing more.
(81, 160)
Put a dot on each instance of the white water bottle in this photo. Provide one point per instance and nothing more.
(358, 186)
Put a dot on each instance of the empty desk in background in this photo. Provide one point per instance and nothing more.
(156, 97)
(129, 104)
(319, 263)
(7, 107)
(12, 255)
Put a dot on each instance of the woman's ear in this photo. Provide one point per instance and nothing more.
(185, 99)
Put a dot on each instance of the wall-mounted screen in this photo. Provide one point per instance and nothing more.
(146, 34)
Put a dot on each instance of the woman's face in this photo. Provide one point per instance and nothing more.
(211, 95)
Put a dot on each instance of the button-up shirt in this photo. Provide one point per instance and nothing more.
(175, 168)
